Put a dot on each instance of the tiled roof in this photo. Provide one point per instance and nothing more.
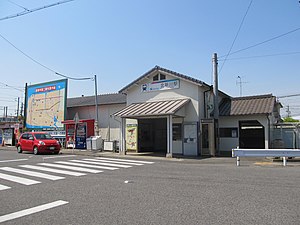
(168, 107)
(105, 99)
(250, 105)
(160, 69)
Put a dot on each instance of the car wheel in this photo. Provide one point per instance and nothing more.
(19, 149)
(35, 150)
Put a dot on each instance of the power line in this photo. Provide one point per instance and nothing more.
(18, 5)
(33, 10)
(239, 29)
(288, 96)
(42, 65)
(6, 85)
(263, 42)
(261, 56)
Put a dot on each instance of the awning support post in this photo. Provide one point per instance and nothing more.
(169, 136)
(122, 150)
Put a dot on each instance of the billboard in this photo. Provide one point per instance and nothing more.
(46, 105)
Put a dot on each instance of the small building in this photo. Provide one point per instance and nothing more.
(166, 112)
(248, 122)
(108, 104)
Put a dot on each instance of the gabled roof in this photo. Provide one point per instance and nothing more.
(160, 69)
(104, 99)
(157, 108)
(250, 105)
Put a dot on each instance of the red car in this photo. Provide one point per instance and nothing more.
(38, 142)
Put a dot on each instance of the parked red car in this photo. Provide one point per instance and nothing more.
(38, 142)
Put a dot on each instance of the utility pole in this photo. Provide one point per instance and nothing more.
(216, 103)
(18, 107)
(240, 84)
(21, 111)
(288, 111)
(96, 108)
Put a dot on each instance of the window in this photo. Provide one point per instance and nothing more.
(155, 77)
(162, 77)
(25, 136)
(231, 132)
(177, 132)
(159, 77)
(43, 136)
(30, 137)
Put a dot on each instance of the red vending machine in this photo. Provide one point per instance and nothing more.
(77, 133)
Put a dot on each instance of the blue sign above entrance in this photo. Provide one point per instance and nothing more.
(160, 85)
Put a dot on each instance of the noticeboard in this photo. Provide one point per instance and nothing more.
(131, 137)
(46, 105)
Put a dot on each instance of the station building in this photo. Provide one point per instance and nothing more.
(169, 113)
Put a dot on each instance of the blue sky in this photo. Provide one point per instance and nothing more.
(121, 40)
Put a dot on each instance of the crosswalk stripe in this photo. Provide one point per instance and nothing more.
(3, 187)
(124, 163)
(85, 164)
(19, 180)
(127, 160)
(71, 168)
(30, 211)
(108, 164)
(32, 173)
(65, 172)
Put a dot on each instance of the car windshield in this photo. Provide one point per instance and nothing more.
(43, 136)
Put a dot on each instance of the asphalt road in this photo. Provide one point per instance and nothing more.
(209, 191)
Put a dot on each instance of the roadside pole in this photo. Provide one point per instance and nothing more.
(216, 103)
(96, 108)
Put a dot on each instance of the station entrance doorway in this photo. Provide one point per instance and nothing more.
(252, 134)
(152, 135)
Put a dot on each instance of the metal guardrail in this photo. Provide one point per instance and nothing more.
(284, 153)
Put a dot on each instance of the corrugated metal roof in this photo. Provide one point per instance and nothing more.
(250, 105)
(105, 99)
(168, 107)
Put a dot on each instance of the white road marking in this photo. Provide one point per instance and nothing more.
(55, 157)
(30, 211)
(3, 187)
(12, 160)
(71, 168)
(108, 164)
(66, 172)
(126, 160)
(19, 180)
(85, 164)
(32, 173)
(118, 162)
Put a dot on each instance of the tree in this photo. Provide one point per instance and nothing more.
(289, 120)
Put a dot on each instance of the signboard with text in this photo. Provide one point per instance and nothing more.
(161, 85)
(46, 105)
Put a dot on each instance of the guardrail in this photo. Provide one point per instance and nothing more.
(284, 153)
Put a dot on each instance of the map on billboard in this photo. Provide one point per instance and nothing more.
(46, 105)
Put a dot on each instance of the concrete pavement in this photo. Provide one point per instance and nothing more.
(255, 161)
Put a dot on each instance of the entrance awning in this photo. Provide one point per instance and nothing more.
(158, 108)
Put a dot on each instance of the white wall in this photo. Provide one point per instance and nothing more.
(109, 126)
(227, 144)
(186, 90)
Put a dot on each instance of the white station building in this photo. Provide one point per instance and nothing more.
(169, 113)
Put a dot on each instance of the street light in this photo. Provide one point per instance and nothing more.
(240, 83)
(96, 108)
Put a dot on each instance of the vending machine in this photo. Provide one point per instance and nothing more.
(78, 132)
(80, 138)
